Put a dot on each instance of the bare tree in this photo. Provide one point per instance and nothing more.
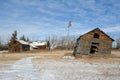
(72, 43)
(52, 41)
(3, 45)
(118, 43)
(61, 42)
(0, 44)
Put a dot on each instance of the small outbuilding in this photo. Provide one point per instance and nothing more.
(93, 42)
(19, 46)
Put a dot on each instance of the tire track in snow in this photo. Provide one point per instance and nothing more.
(21, 70)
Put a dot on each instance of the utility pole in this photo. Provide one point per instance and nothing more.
(68, 35)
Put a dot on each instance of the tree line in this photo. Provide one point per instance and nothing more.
(56, 42)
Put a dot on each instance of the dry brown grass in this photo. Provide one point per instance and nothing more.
(58, 55)
(15, 56)
(54, 54)
(114, 57)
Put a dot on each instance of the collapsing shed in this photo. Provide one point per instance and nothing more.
(19, 46)
(93, 42)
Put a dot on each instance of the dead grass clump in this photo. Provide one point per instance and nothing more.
(15, 56)
(114, 56)
(37, 51)
(8, 58)
(68, 54)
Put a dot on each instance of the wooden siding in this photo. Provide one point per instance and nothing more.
(87, 42)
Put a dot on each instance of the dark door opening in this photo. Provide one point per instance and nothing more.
(93, 49)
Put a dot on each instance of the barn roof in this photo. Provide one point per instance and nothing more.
(38, 43)
(23, 42)
(94, 30)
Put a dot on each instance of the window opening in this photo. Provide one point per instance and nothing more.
(96, 35)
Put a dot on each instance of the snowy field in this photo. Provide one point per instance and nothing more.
(50, 67)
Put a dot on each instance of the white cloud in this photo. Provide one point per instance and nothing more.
(49, 12)
(112, 29)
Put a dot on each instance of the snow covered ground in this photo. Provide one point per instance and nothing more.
(20, 70)
(30, 69)
(75, 70)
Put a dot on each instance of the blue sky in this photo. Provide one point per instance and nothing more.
(38, 19)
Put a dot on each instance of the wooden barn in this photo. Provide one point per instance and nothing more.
(19, 46)
(93, 42)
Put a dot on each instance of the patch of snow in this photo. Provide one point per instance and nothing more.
(23, 42)
(4, 51)
(38, 43)
(68, 57)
